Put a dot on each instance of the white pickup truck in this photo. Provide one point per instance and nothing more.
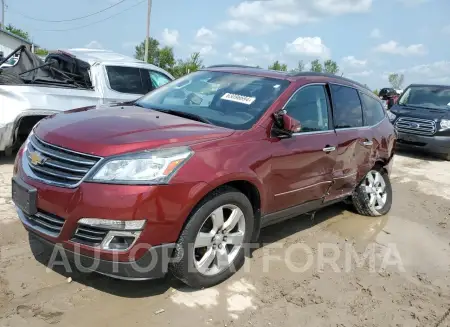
(33, 89)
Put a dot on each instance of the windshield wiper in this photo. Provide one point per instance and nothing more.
(184, 115)
(177, 113)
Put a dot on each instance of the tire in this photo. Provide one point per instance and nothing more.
(7, 78)
(364, 194)
(186, 264)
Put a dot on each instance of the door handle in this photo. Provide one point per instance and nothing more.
(329, 149)
(367, 143)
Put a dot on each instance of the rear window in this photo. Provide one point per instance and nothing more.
(229, 100)
(126, 80)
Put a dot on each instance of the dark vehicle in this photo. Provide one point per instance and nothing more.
(389, 96)
(185, 177)
(422, 119)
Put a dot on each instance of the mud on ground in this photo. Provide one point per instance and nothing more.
(405, 280)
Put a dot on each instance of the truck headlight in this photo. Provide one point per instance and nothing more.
(445, 123)
(147, 167)
(391, 116)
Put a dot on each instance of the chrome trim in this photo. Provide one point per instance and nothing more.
(346, 176)
(29, 172)
(67, 150)
(328, 131)
(329, 149)
(303, 188)
(426, 127)
(24, 219)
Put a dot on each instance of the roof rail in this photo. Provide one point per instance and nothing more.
(231, 66)
(306, 74)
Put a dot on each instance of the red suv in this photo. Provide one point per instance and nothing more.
(184, 178)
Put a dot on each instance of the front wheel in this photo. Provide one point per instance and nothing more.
(373, 196)
(211, 246)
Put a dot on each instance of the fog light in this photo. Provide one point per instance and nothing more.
(119, 241)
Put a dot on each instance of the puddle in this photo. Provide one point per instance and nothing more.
(418, 247)
(359, 228)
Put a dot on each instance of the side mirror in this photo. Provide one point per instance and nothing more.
(285, 125)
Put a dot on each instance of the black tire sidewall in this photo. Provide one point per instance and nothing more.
(184, 268)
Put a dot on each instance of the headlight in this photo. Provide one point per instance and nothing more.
(445, 123)
(119, 225)
(391, 116)
(148, 167)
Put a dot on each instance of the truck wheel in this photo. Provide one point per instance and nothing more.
(8, 78)
(211, 246)
(373, 196)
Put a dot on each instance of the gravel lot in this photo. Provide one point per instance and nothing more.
(405, 280)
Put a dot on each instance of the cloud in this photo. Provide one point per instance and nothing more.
(392, 47)
(205, 36)
(130, 44)
(435, 72)
(413, 2)
(351, 61)
(375, 33)
(244, 49)
(238, 59)
(170, 37)
(308, 46)
(361, 73)
(264, 16)
(94, 45)
(204, 50)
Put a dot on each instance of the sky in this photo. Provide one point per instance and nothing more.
(369, 39)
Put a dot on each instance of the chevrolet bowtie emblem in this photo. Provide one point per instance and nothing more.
(36, 158)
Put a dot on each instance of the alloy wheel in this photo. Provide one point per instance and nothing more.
(219, 240)
(375, 188)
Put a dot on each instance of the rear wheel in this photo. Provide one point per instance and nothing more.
(211, 246)
(373, 196)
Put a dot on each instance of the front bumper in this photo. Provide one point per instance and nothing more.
(431, 144)
(152, 265)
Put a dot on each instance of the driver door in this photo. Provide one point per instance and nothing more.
(302, 166)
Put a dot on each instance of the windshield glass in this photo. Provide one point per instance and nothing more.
(228, 100)
(434, 97)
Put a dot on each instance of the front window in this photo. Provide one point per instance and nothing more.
(432, 97)
(224, 99)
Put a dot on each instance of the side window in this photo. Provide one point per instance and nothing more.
(125, 79)
(158, 79)
(310, 107)
(373, 110)
(347, 111)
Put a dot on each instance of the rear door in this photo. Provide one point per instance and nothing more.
(353, 139)
(302, 166)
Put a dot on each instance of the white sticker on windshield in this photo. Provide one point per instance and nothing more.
(238, 98)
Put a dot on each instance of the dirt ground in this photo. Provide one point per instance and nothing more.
(305, 272)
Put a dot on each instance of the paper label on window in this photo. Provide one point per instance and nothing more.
(238, 98)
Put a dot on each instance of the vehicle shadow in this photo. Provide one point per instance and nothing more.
(7, 160)
(139, 289)
(417, 154)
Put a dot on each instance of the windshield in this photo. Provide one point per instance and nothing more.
(434, 97)
(228, 100)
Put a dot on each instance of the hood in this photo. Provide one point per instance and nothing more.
(425, 113)
(111, 130)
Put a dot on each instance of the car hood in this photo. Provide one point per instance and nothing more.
(112, 130)
(424, 113)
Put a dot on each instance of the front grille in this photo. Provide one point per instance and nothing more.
(89, 235)
(416, 126)
(56, 165)
(46, 223)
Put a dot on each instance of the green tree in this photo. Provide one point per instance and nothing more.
(396, 80)
(376, 92)
(330, 67)
(278, 66)
(183, 67)
(18, 32)
(41, 52)
(316, 66)
(153, 51)
(300, 67)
